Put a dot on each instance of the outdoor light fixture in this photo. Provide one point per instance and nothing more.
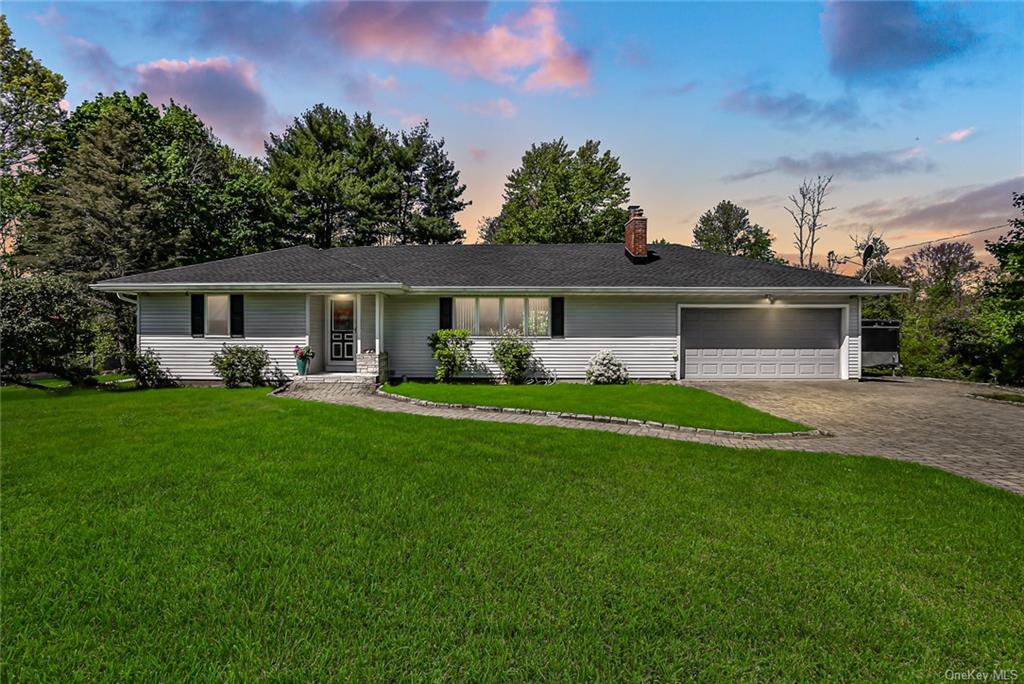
(770, 298)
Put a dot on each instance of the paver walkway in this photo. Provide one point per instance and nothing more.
(924, 421)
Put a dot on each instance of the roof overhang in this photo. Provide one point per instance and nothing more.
(856, 290)
(325, 288)
(399, 288)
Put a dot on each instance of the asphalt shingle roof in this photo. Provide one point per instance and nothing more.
(555, 266)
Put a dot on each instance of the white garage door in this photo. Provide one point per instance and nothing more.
(768, 342)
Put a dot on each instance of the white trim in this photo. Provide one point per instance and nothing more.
(378, 321)
(399, 288)
(357, 311)
(313, 288)
(336, 365)
(206, 316)
(844, 328)
(307, 320)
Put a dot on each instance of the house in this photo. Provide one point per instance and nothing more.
(667, 311)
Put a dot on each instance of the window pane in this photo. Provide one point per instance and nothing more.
(539, 316)
(217, 308)
(464, 316)
(490, 323)
(514, 313)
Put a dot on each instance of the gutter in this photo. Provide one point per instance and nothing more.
(400, 288)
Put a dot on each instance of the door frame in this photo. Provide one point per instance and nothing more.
(357, 331)
(844, 328)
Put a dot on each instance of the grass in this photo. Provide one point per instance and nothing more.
(1004, 396)
(212, 534)
(105, 379)
(673, 404)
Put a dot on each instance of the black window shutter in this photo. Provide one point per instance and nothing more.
(558, 316)
(198, 316)
(446, 314)
(238, 315)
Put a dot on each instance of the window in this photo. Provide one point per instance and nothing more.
(465, 314)
(487, 316)
(538, 316)
(218, 312)
(514, 310)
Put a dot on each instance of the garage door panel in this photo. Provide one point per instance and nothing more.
(760, 343)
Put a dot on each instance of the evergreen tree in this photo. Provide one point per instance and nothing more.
(727, 229)
(562, 195)
(307, 163)
(441, 198)
(350, 181)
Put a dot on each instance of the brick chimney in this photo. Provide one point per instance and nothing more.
(636, 233)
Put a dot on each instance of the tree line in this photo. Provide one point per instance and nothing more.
(120, 186)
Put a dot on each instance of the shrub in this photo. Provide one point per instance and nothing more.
(45, 327)
(512, 352)
(451, 351)
(145, 367)
(605, 369)
(241, 365)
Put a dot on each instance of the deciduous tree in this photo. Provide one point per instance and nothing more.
(807, 207)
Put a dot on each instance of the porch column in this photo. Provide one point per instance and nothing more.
(378, 322)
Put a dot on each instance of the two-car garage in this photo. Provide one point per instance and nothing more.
(769, 342)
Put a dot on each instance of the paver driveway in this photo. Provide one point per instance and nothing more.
(911, 419)
(924, 421)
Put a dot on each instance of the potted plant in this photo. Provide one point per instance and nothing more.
(302, 357)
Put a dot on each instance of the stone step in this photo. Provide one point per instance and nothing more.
(331, 378)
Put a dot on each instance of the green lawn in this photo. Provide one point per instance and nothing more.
(1005, 396)
(673, 404)
(217, 534)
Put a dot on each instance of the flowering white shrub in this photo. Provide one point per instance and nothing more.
(605, 369)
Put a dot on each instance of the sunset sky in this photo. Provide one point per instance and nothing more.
(915, 108)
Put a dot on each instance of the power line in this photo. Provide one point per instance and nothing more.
(951, 237)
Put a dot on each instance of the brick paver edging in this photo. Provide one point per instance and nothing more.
(995, 401)
(600, 419)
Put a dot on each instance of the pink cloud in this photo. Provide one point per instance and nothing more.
(456, 37)
(500, 107)
(363, 90)
(223, 93)
(412, 119)
(957, 135)
(478, 154)
(50, 17)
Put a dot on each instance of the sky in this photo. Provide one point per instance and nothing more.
(915, 109)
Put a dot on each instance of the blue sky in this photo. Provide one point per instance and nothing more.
(916, 109)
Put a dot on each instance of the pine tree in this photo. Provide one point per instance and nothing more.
(563, 195)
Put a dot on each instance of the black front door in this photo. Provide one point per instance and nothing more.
(343, 336)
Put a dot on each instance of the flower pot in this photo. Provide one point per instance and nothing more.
(302, 365)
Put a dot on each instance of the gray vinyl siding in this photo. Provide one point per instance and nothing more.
(316, 333)
(639, 331)
(276, 322)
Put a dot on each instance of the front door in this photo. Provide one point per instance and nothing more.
(343, 326)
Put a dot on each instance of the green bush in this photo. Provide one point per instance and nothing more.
(451, 351)
(148, 373)
(45, 327)
(240, 365)
(512, 352)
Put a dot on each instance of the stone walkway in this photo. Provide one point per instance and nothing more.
(924, 421)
